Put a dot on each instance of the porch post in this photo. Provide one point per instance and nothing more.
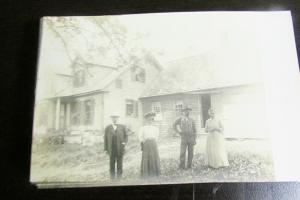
(57, 114)
(68, 112)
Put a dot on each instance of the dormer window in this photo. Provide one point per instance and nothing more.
(79, 78)
(138, 74)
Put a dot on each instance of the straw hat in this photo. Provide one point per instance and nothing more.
(150, 114)
(186, 108)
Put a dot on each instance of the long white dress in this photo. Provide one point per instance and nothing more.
(216, 155)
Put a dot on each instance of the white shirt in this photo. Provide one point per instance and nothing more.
(148, 132)
(114, 126)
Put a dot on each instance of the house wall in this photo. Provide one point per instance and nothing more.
(169, 114)
(114, 100)
(241, 110)
(43, 117)
(60, 83)
(96, 74)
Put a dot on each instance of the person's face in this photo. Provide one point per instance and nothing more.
(114, 119)
(185, 113)
(150, 119)
(211, 113)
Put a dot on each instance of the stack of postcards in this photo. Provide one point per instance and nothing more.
(166, 98)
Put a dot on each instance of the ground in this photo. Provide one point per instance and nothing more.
(250, 160)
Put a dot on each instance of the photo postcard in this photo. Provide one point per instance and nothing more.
(165, 98)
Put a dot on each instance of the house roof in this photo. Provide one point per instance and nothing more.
(98, 87)
(196, 73)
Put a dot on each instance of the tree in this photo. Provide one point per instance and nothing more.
(94, 38)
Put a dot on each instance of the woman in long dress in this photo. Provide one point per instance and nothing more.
(148, 135)
(216, 155)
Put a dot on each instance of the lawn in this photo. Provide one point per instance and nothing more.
(250, 160)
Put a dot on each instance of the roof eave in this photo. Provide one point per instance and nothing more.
(199, 91)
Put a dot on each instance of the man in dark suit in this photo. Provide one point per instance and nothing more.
(115, 139)
(186, 128)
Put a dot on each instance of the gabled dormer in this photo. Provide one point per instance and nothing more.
(79, 77)
(138, 74)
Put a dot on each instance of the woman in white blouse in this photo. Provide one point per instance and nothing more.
(216, 155)
(148, 136)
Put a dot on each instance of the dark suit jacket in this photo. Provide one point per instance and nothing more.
(188, 131)
(122, 139)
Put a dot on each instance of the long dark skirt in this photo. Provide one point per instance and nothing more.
(150, 160)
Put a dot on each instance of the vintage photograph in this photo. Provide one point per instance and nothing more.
(151, 99)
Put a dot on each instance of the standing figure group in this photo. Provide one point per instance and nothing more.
(115, 140)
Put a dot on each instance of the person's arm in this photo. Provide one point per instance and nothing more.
(221, 127)
(141, 135)
(207, 129)
(156, 133)
(105, 138)
(175, 126)
(194, 127)
(125, 135)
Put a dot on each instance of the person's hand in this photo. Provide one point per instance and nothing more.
(142, 145)
(124, 147)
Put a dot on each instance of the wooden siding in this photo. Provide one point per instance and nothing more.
(169, 114)
(241, 109)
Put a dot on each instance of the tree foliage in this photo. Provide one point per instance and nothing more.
(95, 38)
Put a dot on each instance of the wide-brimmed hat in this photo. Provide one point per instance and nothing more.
(114, 115)
(149, 114)
(186, 108)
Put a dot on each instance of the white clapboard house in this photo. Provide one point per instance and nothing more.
(85, 95)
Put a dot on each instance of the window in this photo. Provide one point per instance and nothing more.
(156, 107)
(89, 106)
(178, 106)
(82, 112)
(75, 113)
(138, 74)
(131, 108)
(205, 105)
(79, 78)
(118, 83)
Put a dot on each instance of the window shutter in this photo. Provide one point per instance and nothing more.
(136, 108)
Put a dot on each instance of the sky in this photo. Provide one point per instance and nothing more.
(171, 36)
(175, 35)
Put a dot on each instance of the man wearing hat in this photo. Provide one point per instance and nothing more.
(115, 139)
(185, 126)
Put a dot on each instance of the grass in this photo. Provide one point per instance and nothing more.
(250, 160)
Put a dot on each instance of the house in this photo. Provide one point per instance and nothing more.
(84, 98)
(235, 92)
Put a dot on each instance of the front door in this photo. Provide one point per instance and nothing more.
(205, 106)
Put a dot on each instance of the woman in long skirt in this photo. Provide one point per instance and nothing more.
(216, 155)
(148, 135)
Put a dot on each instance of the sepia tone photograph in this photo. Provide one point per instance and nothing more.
(151, 99)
